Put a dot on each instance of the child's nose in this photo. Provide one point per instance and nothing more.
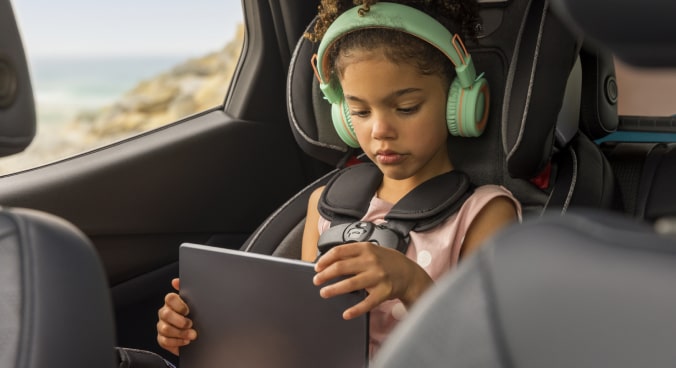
(382, 127)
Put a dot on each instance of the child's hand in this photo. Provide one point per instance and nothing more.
(384, 273)
(174, 329)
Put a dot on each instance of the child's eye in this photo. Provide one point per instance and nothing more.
(360, 113)
(408, 110)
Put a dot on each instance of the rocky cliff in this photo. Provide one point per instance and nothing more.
(188, 88)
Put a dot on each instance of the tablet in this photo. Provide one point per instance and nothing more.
(253, 310)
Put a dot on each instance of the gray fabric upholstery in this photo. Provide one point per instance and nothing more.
(54, 297)
(284, 228)
(587, 289)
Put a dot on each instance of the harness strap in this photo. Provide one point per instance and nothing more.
(433, 201)
(348, 194)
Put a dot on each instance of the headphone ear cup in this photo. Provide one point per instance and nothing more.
(340, 115)
(467, 108)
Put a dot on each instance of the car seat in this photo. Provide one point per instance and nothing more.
(585, 177)
(527, 55)
(589, 289)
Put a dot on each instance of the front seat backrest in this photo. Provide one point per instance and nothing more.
(587, 289)
(54, 297)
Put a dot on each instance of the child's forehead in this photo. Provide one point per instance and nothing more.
(380, 60)
(374, 78)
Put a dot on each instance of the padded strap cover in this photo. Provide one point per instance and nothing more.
(348, 194)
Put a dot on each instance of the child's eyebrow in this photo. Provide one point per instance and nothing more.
(392, 95)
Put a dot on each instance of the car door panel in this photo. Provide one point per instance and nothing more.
(210, 178)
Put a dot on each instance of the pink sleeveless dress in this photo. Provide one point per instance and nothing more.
(436, 250)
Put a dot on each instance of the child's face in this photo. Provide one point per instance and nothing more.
(399, 116)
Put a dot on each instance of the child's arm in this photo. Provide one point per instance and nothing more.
(498, 213)
(311, 230)
(384, 273)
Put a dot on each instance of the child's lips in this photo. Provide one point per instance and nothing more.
(389, 157)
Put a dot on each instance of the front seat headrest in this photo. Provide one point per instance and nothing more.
(17, 107)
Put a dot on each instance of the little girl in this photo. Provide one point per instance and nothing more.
(397, 93)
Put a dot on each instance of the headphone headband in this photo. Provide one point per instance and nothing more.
(467, 102)
(398, 17)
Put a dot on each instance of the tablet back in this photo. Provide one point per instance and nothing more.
(253, 310)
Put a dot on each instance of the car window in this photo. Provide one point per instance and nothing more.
(105, 71)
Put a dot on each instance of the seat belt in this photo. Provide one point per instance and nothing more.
(347, 196)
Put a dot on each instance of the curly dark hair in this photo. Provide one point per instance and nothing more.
(459, 16)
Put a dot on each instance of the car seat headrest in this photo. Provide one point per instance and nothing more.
(598, 108)
(17, 108)
(309, 113)
(521, 126)
(640, 34)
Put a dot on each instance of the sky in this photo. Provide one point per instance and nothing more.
(125, 27)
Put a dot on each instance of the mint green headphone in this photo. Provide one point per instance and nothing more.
(467, 105)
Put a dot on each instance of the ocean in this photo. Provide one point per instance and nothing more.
(64, 87)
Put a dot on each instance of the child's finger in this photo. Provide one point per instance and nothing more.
(176, 283)
(171, 317)
(174, 301)
(349, 284)
(362, 307)
(337, 253)
(171, 344)
(167, 330)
